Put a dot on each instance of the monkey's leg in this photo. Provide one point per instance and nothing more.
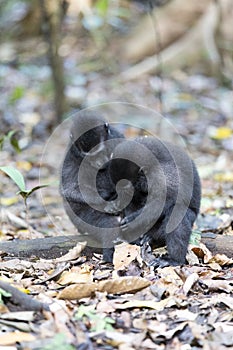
(177, 241)
(108, 254)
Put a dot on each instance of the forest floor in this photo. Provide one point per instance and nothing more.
(125, 305)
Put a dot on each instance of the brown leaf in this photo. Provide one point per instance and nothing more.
(193, 278)
(72, 254)
(202, 252)
(11, 338)
(221, 259)
(156, 305)
(118, 285)
(124, 254)
(76, 275)
(215, 285)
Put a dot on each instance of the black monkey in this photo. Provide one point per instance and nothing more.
(166, 198)
(85, 168)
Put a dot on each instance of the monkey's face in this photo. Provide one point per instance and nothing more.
(89, 130)
(93, 138)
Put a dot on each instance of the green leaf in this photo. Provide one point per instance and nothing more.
(59, 342)
(84, 310)
(102, 7)
(15, 144)
(26, 193)
(15, 175)
(13, 140)
(2, 139)
(3, 293)
(17, 93)
(98, 323)
(11, 134)
(11, 137)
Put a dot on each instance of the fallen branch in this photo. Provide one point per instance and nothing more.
(21, 301)
(54, 247)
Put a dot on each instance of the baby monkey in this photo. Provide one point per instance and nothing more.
(166, 197)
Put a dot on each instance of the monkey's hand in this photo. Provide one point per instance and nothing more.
(124, 224)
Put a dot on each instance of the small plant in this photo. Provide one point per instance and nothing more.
(17, 94)
(12, 139)
(97, 322)
(59, 342)
(18, 179)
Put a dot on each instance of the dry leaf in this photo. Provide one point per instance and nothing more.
(220, 133)
(118, 285)
(13, 219)
(19, 316)
(11, 338)
(118, 338)
(191, 279)
(156, 305)
(124, 254)
(7, 201)
(61, 317)
(72, 254)
(215, 285)
(227, 300)
(76, 275)
(202, 252)
(221, 259)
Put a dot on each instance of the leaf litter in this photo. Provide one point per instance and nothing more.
(126, 305)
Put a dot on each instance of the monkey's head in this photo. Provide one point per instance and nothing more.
(131, 161)
(89, 130)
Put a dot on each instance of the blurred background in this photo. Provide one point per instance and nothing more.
(171, 56)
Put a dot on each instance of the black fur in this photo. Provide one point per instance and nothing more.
(174, 189)
(89, 134)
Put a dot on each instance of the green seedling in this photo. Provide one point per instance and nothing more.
(17, 94)
(97, 322)
(10, 137)
(18, 179)
(59, 342)
(102, 7)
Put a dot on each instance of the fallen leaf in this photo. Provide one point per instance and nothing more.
(19, 316)
(224, 177)
(23, 165)
(72, 254)
(124, 254)
(202, 252)
(155, 305)
(221, 259)
(7, 201)
(193, 278)
(118, 338)
(113, 286)
(76, 275)
(227, 300)
(220, 133)
(215, 285)
(11, 338)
